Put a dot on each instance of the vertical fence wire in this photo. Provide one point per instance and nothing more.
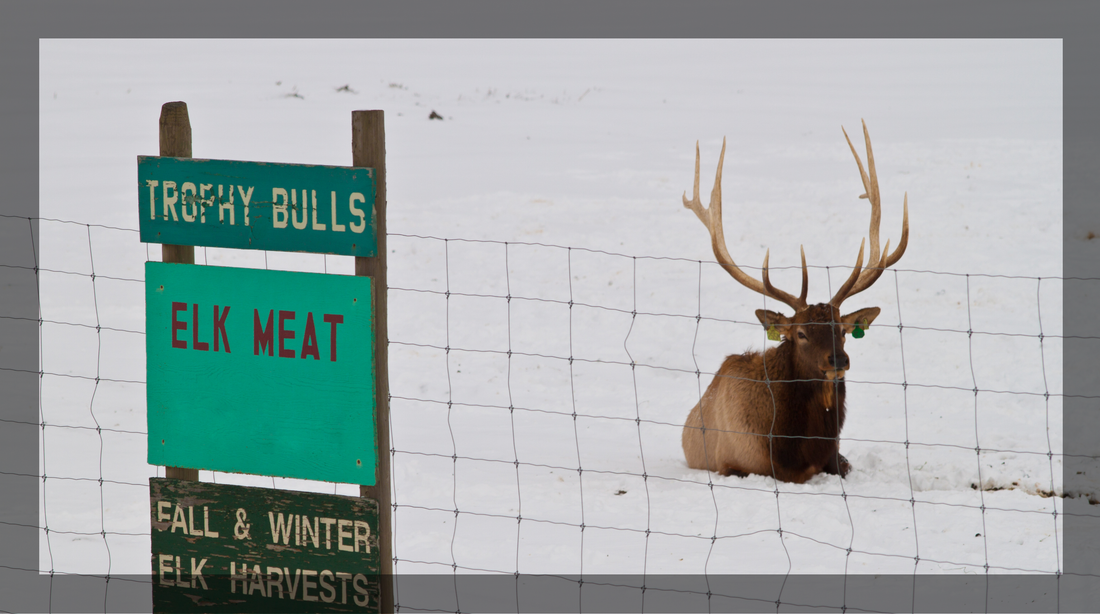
(908, 460)
(91, 412)
(394, 505)
(839, 479)
(576, 431)
(773, 481)
(638, 423)
(42, 413)
(450, 408)
(703, 427)
(512, 415)
(1046, 416)
(977, 429)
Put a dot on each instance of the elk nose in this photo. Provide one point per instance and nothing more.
(838, 361)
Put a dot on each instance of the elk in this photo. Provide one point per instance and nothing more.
(779, 412)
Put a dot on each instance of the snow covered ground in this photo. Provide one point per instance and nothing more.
(555, 176)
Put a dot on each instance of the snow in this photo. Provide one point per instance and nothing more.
(555, 177)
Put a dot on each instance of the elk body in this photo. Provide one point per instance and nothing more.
(779, 412)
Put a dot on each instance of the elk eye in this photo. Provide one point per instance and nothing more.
(801, 335)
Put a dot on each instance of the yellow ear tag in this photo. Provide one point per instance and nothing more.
(773, 335)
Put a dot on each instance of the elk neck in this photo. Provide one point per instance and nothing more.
(806, 390)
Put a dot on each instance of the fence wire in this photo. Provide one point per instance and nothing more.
(87, 390)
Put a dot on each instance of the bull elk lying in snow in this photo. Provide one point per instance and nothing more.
(779, 412)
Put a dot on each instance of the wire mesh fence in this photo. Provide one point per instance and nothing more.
(538, 396)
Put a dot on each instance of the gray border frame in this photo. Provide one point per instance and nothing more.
(23, 589)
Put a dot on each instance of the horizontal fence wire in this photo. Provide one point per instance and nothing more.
(451, 398)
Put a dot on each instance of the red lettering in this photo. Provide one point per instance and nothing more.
(204, 346)
(309, 339)
(177, 325)
(219, 326)
(333, 319)
(263, 340)
(285, 334)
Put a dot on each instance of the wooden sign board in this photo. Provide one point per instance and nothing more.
(262, 372)
(257, 205)
(224, 548)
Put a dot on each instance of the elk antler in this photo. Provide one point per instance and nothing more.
(712, 219)
(862, 278)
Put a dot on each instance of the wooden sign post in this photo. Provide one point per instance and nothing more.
(368, 149)
(175, 140)
(267, 372)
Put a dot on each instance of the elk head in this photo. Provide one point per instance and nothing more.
(817, 331)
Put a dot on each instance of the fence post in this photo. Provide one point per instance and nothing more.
(175, 142)
(368, 149)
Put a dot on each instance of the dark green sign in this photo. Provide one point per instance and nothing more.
(257, 205)
(223, 548)
(262, 372)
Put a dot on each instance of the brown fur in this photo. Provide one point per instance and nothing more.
(778, 412)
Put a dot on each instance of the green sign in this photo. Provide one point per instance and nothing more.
(223, 548)
(257, 205)
(263, 372)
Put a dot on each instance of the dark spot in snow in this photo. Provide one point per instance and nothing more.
(620, 492)
(435, 115)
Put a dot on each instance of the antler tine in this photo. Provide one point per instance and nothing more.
(845, 290)
(694, 203)
(871, 275)
(878, 262)
(712, 219)
(870, 187)
(805, 277)
(776, 293)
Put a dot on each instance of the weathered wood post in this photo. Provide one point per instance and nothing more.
(368, 147)
(175, 141)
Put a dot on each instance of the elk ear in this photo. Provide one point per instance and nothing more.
(769, 319)
(863, 317)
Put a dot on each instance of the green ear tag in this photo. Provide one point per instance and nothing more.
(773, 334)
(858, 332)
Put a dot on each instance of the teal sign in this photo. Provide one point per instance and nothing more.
(257, 205)
(225, 548)
(261, 372)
